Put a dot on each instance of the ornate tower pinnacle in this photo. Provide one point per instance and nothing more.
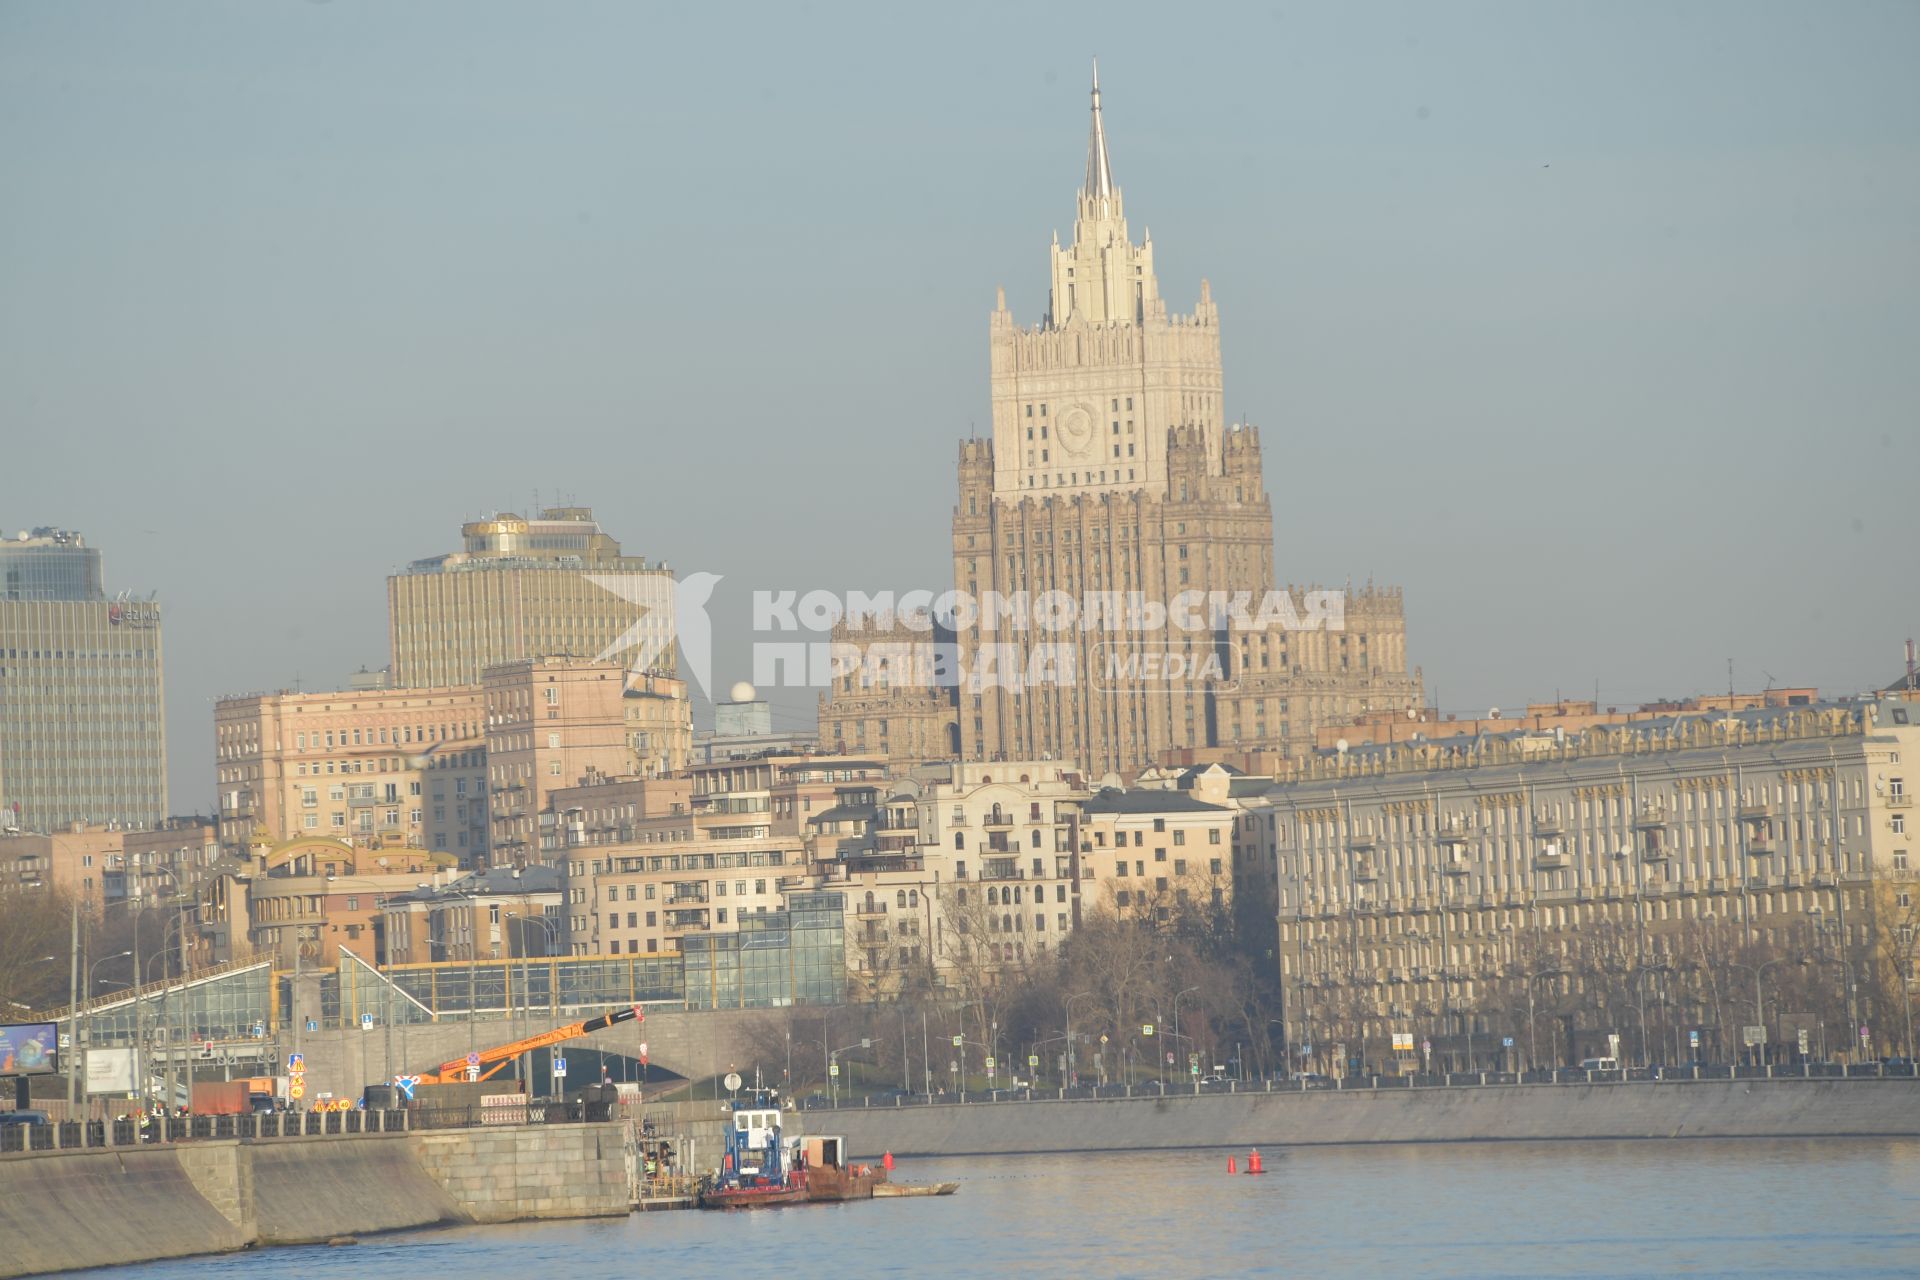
(1099, 169)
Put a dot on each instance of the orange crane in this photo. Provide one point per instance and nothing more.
(454, 1071)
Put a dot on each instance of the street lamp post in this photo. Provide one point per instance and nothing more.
(1072, 1059)
(1759, 1008)
(1176, 1027)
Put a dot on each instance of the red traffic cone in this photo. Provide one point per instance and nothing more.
(1253, 1161)
(1230, 1168)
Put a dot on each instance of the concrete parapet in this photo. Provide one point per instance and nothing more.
(1700, 1109)
(65, 1210)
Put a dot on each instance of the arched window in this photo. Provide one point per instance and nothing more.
(900, 898)
(993, 897)
(913, 897)
(959, 839)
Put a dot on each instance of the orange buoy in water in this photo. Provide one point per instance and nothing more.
(886, 1162)
(1230, 1167)
(1253, 1161)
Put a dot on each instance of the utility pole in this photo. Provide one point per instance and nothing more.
(73, 1010)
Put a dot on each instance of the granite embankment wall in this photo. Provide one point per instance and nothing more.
(1704, 1109)
(64, 1210)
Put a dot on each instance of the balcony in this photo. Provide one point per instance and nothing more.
(1360, 844)
(871, 910)
(683, 921)
(1899, 800)
(1455, 833)
(1760, 844)
(1001, 869)
(1546, 827)
(1457, 866)
(997, 820)
(688, 900)
(1756, 812)
(1652, 817)
(1551, 858)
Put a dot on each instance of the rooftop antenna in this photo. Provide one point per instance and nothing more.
(1910, 672)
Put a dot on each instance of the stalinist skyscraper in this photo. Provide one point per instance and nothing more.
(1112, 474)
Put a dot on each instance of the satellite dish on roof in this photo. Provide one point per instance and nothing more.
(1493, 713)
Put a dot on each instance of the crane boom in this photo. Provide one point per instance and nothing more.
(454, 1070)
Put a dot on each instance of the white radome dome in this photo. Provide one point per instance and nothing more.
(742, 692)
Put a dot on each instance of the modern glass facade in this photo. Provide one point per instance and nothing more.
(224, 1006)
(49, 564)
(793, 956)
(785, 957)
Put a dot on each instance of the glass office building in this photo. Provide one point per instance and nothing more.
(82, 715)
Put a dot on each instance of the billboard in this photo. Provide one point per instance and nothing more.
(109, 1071)
(27, 1048)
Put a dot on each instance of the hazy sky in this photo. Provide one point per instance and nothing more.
(1594, 326)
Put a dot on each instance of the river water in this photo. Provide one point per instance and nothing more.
(1700, 1208)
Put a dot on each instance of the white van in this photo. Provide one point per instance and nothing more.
(1599, 1064)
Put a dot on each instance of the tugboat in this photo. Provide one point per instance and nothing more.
(759, 1168)
(762, 1167)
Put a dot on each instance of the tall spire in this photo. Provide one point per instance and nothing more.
(1099, 171)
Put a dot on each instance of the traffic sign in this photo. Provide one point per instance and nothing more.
(1751, 1035)
(1033, 1059)
(406, 1085)
(958, 1041)
(1146, 1028)
(1506, 1042)
(1194, 1069)
(1169, 1059)
(833, 1068)
(559, 1067)
(313, 1024)
(366, 1022)
(296, 1062)
(473, 1072)
(989, 1064)
(259, 1030)
(473, 1059)
(1803, 1040)
(1693, 1038)
(297, 1088)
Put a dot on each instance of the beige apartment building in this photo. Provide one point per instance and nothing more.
(392, 766)
(883, 701)
(732, 843)
(106, 863)
(555, 723)
(501, 912)
(520, 588)
(308, 897)
(1646, 879)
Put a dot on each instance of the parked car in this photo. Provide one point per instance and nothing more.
(1313, 1080)
(24, 1117)
(1599, 1064)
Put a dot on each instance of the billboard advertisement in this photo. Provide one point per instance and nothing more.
(27, 1048)
(109, 1071)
